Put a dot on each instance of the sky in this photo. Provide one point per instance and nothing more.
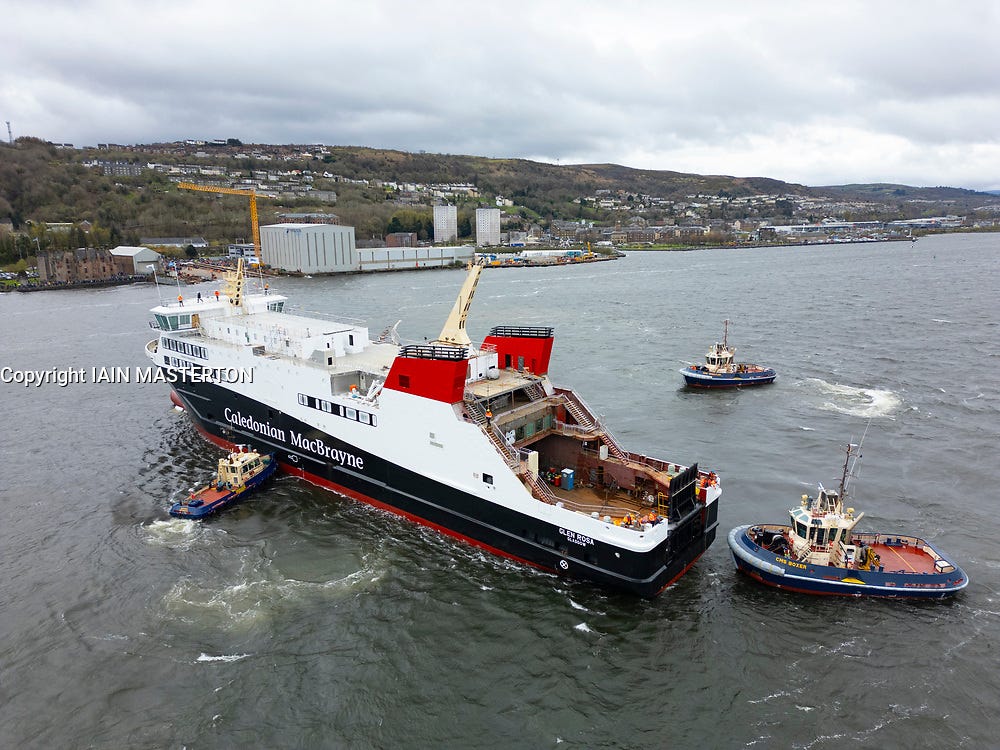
(817, 93)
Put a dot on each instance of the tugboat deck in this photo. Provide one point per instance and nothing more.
(904, 558)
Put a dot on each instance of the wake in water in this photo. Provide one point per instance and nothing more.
(179, 533)
(223, 657)
(257, 593)
(857, 402)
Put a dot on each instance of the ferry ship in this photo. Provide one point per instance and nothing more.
(472, 440)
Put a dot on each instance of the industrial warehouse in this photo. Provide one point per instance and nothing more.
(331, 248)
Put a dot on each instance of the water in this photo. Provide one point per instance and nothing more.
(301, 619)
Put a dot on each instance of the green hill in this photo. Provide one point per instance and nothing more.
(40, 184)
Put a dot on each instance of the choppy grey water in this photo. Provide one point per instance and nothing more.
(301, 619)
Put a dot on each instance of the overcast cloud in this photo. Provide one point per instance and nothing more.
(891, 91)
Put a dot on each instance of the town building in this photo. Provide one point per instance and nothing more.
(487, 227)
(142, 258)
(445, 224)
(310, 218)
(198, 242)
(409, 258)
(401, 239)
(120, 168)
(82, 264)
(243, 250)
(309, 248)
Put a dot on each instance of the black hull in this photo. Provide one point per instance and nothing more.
(500, 530)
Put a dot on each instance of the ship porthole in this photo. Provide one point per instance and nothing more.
(564, 565)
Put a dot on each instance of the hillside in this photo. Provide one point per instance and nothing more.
(40, 183)
(889, 193)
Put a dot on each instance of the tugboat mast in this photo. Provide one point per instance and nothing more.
(843, 476)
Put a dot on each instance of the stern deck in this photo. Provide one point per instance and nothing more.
(908, 555)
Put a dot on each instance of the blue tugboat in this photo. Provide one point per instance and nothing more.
(721, 371)
(240, 473)
(820, 553)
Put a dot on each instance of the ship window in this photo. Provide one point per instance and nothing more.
(800, 529)
(488, 478)
(404, 381)
(364, 417)
(350, 339)
(351, 413)
(326, 406)
(303, 399)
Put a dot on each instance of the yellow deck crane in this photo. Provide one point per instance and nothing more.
(233, 191)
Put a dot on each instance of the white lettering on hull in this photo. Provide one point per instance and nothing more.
(249, 423)
(313, 445)
(320, 448)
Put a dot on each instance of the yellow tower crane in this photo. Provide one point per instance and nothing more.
(233, 191)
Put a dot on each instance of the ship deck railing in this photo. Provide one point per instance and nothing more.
(587, 417)
(635, 460)
(301, 312)
(909, 550)
(606, 503)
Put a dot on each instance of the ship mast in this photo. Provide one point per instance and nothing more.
(849, 470)
(234, 285)
(453, 333)
(843, 476)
